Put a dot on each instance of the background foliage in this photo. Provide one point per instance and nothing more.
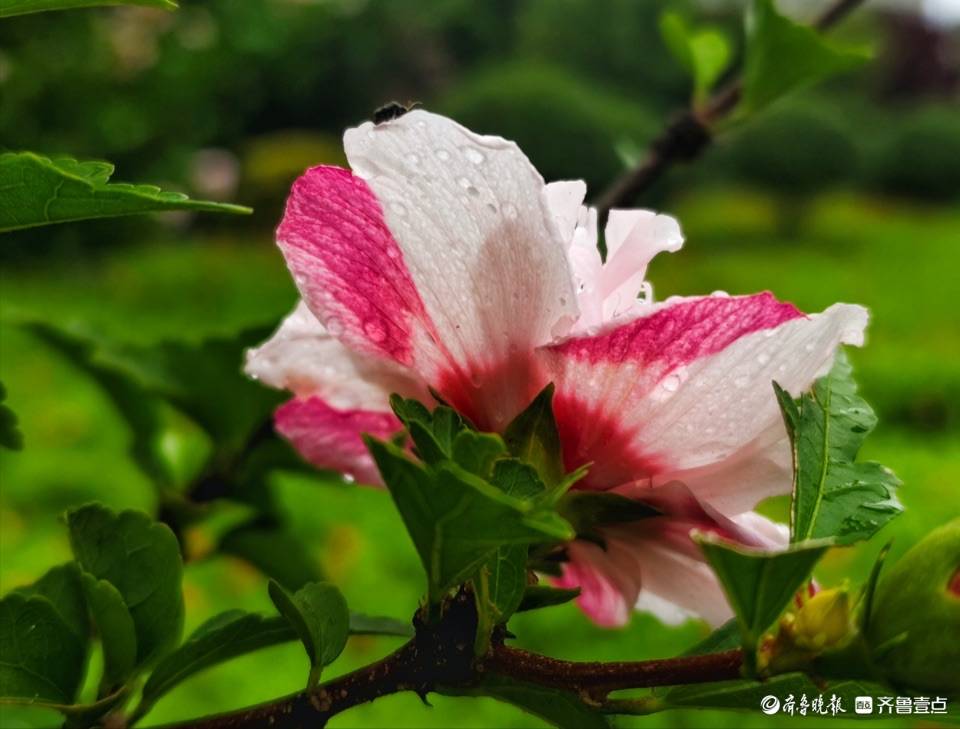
(846, 193)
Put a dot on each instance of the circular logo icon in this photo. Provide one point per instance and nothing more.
(769, 704)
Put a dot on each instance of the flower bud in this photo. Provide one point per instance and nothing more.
(913, 630)
(825, 621)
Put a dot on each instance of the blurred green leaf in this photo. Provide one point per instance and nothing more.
(36, 190)
(361, 624)
(782, 56)
(533, 437)
(114, 624)
(759, 584)
(318, 612)
(541, 596)
(41, 658)
(833, 496)
(588, 509)
(141, 559)
(457, 520)
(277, 553)
(221, 638)
(914, 627)
(724, 638)
(22, 7)
(704, 52)
(556, 707)
(62, 586)
(10, 435)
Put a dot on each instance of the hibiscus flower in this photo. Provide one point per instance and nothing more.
(443, 261)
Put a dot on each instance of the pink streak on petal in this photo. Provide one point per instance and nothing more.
(590, 434)
(330, 438)
(347, 264)
(599, 597)
(680, 333)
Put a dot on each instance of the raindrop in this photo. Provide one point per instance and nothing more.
(510, 210)
(741, 382)
(443, 155)
(349, 478)
(474, 155)
(720, 294)
(473, 191)
(399, 208)
(763, 358)
(413, 159)
(491, 207)
(393, 252)
(810, 346)
(672, 383)
(463, 182)
(334, 326)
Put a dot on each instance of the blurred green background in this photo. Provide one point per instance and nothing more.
(850, 192)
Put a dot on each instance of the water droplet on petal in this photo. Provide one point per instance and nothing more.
(399, 208)
(510, 210)
(491, 207)
(810, 346)
(473, 191)
(442, 155)
(349, 478)
(474, 155)
(413, 159)
(741, 381)
(671, 383)
(763, 358)
(720, 294)
(334, 326)
(463, 182)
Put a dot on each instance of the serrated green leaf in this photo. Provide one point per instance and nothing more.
(36, 190)
(759, 584)
(114, 624)
(10, 435)
(558, 708)
(433, 433)
(457, 520)
(10, 8)
(141, 559)
(62, 586)
(833, 496)
(704, 52)
(41, 657)
(318, 612)
(541, 596)
(533, 438)
(279, 554)
(783, 56)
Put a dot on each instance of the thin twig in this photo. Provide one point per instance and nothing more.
(689, 132)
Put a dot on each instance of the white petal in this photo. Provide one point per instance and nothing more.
(472, 220)
(304, 358)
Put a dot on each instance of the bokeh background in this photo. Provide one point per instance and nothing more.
(849, 192)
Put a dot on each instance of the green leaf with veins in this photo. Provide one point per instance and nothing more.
(783, 56)
(36, 190)
(759, 584)
(318, 612)
(41, 658)
(433, 433)
(833, 495)
(62, 586)
(478, 452)
(703, 52)
(10, 435)
(456, 519)
(533, 437)
(141, 559)
(114, 624)
(22, 7)
(223, 637)
(557, 707)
